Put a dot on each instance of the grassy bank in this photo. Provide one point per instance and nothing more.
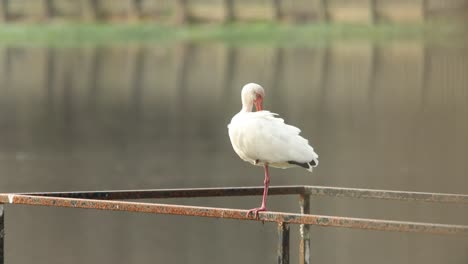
(309, 34)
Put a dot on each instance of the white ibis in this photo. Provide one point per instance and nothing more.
(265, 140)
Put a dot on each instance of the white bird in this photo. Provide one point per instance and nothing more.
(265, 140)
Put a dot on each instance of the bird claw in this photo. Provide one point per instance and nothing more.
(255, 211)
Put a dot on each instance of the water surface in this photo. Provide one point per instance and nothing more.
(385, 116)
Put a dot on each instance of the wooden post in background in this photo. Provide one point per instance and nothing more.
(181, 11)
(3, 10)
(48, 11)
(323, 10)
(228, 11)
(135, 9)
(277, 12)
(424, 9)
(373, 11)
(90, 9)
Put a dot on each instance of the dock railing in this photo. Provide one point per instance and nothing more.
(115, 201)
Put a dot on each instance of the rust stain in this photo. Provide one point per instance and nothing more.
(174, 193)
(307, 219)
(386, 194)
(283, 243)
(274, 190)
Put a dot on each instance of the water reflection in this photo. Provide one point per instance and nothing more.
(387, 116)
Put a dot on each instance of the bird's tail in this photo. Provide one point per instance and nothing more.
(312, 164)
(306, 165)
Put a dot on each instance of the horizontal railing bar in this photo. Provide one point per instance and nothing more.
(274, 190)
(174, 193)
(320, 220)
(386, 194)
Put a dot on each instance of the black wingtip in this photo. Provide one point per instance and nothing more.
(305, 165)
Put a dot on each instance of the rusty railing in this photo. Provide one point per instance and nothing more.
(115, 201)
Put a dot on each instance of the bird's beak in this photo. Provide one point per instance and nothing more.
(259, 103)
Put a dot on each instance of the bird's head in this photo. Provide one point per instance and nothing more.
(253, 93)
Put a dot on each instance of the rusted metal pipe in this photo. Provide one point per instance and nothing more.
(273, 190)
(174, 193)
(283, 243)
(304, 243)
(386, 194)
(320, 220)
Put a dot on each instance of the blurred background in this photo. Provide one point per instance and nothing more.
(134, 94)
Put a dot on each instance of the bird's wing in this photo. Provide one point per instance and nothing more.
(265, 137)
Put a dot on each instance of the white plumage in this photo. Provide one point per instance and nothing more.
(261, 137)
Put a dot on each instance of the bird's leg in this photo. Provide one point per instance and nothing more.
(266, 183)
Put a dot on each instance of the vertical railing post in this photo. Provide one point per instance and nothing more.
(283, 243)
(2, 234)
(304, 243)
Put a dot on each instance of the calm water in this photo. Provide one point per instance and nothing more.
(390, 116)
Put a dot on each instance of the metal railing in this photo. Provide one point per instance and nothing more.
(114, 201)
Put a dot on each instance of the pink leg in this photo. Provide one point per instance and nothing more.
(266, 183)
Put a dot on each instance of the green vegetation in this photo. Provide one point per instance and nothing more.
(260, 33)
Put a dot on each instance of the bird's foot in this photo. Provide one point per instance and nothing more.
(256, 210)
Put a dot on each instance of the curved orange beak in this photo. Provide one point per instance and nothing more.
(259, 103)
